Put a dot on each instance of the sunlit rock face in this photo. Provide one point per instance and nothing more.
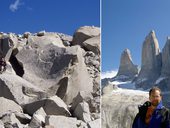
(151, 62)
(126, 68)
(49, 76)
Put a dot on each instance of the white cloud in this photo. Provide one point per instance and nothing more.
(109, 74)
(13, 7)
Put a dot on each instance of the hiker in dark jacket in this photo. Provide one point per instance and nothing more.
(152, 114)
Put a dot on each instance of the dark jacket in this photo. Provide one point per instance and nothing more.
(160, 117)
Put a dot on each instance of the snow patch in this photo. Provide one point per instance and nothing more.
(126, 85)
(122, 77)
(129, 92)
(159, 80)
(109, 74)
(141, 80)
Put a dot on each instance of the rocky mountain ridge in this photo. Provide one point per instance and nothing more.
(154, 67)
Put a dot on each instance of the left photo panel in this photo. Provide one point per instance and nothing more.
(50, 64)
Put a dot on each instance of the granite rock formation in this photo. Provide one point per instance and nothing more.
(49, 76)
(127, 70)
(84, 33)
(166, 59)
(151, 62)
(164, 80)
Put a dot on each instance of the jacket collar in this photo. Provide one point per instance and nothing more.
(148, 103)
(160, 105)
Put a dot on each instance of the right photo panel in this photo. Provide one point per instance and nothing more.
(135, 78)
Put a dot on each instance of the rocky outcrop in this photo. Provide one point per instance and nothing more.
(89, 39)
(52, 106)
(164, 80)
(8, 43)
(107, 89)
(47, 76)
(42, 41)
(49, 72)
(94, 124)
(10, 121)
(19, 90)
(166, 59)
(151, 62)
(92, 44)
(8, 106)
(84, 33)
(82, 96)
(60, 121)
(92, 62)
(127, 70)
(82, 112)
(38, 118)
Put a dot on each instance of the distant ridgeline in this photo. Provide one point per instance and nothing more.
(155, 68)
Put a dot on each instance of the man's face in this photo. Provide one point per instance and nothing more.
(155, 98)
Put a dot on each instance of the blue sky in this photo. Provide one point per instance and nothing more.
(126, 23)
(63, 16)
